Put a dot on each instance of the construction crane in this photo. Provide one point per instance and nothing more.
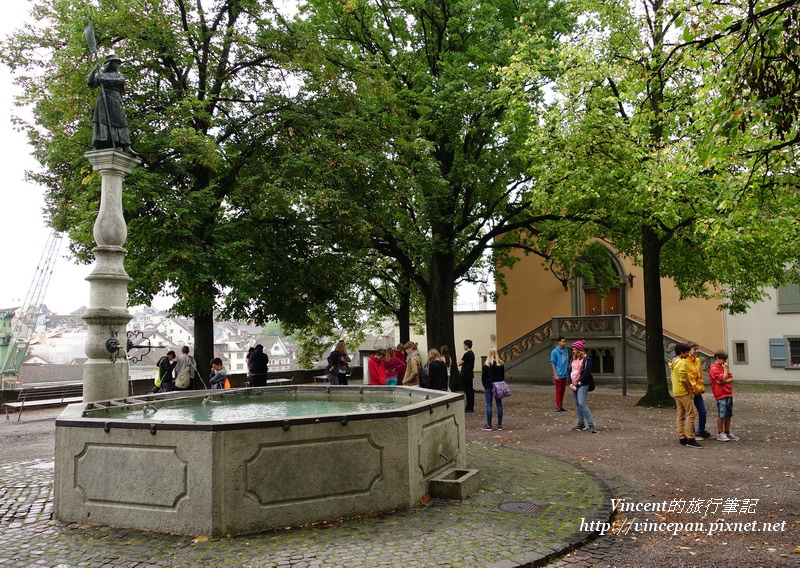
(15, 334)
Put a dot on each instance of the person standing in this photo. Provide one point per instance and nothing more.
(684, 399)
(344, 362)
(250, 352)
(448, 361)
(166, 367)
(395, 367)
(695, 370)
(580, 382)
(413, 365)
(218, 374)
(559, 361)
(467, 364)
(185, 370)
(722, 386)
(377, 367)
(258, 365)
(492, 372)
(437, 371)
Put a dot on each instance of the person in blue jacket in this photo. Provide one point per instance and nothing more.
(559, 361)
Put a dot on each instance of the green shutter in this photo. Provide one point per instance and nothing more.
(777, 352)
(789, 298)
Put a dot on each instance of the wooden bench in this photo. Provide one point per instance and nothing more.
(44, 397)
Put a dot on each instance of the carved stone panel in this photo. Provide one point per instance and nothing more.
(321, 468)
(124, 475)
(438, 445)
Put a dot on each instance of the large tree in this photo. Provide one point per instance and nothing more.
(435, 179)
(626, 140)
(205, 88)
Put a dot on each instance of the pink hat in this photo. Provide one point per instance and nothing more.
(579, 345)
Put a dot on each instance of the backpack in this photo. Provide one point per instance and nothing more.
(587, 362)
(184, 378)
(423, 375)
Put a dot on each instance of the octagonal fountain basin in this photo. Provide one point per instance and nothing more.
(246, 460)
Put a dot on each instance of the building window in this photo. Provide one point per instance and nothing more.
(794, 351)
(602, 361)
(789, 298)
(739, 353)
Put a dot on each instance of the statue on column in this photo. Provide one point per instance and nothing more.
(110, 126)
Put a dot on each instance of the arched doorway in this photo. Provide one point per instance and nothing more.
(601, 313)
(587, 298)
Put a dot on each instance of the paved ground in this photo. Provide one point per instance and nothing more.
(540, 480)
(636, 453)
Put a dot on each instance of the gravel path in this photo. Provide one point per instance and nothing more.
(636, 452)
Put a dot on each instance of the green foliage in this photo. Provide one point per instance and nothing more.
(203, 100)
(633, 137)
(405, 103)
(626, 139)
(750, 63)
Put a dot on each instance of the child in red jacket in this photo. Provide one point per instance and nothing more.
(722, 387)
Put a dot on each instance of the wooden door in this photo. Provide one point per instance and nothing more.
(595, 305)
(611, 303)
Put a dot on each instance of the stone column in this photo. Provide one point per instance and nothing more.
(106, 377)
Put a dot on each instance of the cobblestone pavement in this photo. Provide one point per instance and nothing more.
(497, 527)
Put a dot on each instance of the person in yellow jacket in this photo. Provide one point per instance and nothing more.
(695, 369)
(684, 399)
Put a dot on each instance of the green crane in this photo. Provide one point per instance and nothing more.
(15, 333)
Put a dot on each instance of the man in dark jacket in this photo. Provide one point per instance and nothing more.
(258, 367)
(166, 366)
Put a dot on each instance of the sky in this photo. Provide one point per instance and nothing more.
(24, 229)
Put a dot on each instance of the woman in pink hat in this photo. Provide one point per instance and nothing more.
(580, 379)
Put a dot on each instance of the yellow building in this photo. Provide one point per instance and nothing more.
(538, 309)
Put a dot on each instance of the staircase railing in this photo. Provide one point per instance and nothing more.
(576, 327)
(585, 327)
(526, 343)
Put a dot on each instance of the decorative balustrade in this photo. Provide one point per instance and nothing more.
(526, 343)
(583, 327)
(577, 327)
(586, 327)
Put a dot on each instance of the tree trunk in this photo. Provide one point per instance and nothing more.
(439, 309)
(657, 392)
(403, 314)
(203, 345)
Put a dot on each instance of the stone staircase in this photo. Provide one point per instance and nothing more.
(527, 357)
